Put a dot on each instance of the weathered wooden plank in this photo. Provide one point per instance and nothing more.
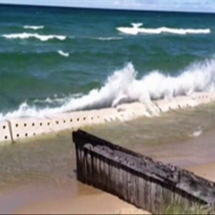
(138, 179)
(122, 183)
(147, 195)
(89, 175)
(153, 197)
(135, 189)
(158, 201)
(141, 192)
(107, 181)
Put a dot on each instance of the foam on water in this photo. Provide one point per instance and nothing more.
(62, 53)
(197, 133)
(49, 101)
(123, 86)
(136, 25)
(33, 27)
(108, 38)
(34, 35)
(57, 99)
(135, 29)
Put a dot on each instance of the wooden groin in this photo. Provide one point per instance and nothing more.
(138, 179)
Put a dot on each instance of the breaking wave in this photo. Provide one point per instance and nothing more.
(62, 53)
(36, 36)
(56, 100)
(123, 86)
(136, 29)
(33, 27)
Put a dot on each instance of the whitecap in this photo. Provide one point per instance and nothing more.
(33, 27)
(107, 38)
(62, 53)
(36, 36)
(135, 29)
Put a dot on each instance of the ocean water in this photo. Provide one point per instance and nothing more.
(54, 60)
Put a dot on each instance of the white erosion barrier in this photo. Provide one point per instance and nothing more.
(19, 128)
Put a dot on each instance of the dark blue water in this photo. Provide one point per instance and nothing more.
(66, 53)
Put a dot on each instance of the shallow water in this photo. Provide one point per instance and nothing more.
(45, 168)
(52, 157)
(167, 128)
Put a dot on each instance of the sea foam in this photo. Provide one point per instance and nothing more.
(136, 29)
(62, 53)
(123, 86)
(33, 27)
(197, 133)
(107, 38)
(36, 36)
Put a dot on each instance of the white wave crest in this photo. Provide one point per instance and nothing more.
(108, 38)
(33, 27)
(123, 86)
(64, 54)
(136, 25)
(49, 101)
(37, 36)
(135, 29)
(56, 99)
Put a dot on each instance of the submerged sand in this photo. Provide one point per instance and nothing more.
(98, 202)
(204, 170)
(39, 175)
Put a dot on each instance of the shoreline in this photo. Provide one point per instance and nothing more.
(42, 171)
(16, 129)
(94, 201)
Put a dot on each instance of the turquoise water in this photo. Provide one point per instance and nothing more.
(67, 59)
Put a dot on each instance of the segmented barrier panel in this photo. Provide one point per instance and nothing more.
(5, 133)
(137, 179)
(15, 129)
(29, 127)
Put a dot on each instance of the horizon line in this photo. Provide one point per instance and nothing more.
(103, 8)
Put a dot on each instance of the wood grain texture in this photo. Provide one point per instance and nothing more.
(137, 179)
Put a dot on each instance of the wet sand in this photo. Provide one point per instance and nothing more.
(98, 202)
(38, 175)
(95, 203)
(205, 170)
